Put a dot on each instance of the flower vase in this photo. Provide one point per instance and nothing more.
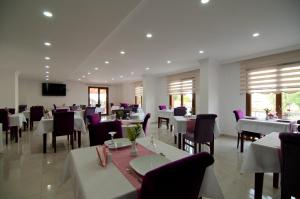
(133, 151)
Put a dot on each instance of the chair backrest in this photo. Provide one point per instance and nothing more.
(180, 111)
(61, 110)
(290, 163)
(162, 107)
(98, 133)
(54, 106)
(11, 110)
(82, 106)
(178, 179)
(63, 123)
(134, 108)
(145, 122)
(88, 111)
(239, 114)
(22, 108)
(124, 105)
(94, 119)
(36, 113)
(4, 119)
(204, 127)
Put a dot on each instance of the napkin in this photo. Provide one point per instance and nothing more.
(102, 152)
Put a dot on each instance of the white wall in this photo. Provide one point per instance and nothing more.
(128, 93)
(30, 93)
(8, 88)
(229, 97)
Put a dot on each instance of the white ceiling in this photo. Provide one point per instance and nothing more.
(86, 33)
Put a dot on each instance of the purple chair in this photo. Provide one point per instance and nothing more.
(36, 114)
(22, 108)
(124, 105)
(11, 110)
(162, 107)
(5, 122)
(245, 135)
(180, 111)
(88, 111)
(290, 164)
(63, 124)
(134, 108)
(94, 119)
(99, 132)
(203, 133)
(176, 180)
(145, 122)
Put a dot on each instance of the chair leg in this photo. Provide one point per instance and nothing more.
(79, 139)
(242, 143)
(167, 124)
(6, 139)
(212, 147)
(199, 148)
(20, 132)
(72, 140)
(54, 143)
(175, 139)
(238, 140)
(74, 135)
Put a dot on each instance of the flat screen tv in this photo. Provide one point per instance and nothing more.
(50, 89)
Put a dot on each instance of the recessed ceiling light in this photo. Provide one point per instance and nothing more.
(149, 35)
(122, 52)
(121, 76)
(96, 68)
(201, 51)
(47, 14)
(204, 1)
(132, 73)
(256, 34)
(83, 76)
(168, 62)
(47, 72)
(112, 79)
(106, 62)
(47, 79)
(47, 58)
(79, 79)
(147, 68)
(88, 73)
(47, 44)
(47, 66)
(105, 81)
(47, 76)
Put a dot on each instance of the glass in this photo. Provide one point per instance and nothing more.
(188, 102)
(291, 105)
(261, 101)
(176, 101)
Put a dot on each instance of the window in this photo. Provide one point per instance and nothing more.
(291, 105)
(98, 95)
(261, 101)
(182, 94)
(139, 95)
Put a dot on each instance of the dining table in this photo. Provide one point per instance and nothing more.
(45, 126)
(16, 122)
(263, 156)
(165, 114)
(180, 127)
(91, 181)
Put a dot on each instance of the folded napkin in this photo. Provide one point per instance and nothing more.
(102, 152)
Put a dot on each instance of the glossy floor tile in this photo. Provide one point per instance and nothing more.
(25, 172)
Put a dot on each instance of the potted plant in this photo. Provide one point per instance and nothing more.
(132, 134)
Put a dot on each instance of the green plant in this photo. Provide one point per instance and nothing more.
(134, 132)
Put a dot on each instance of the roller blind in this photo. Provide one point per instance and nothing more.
(271, 74)
(139, 91)
(183, 86)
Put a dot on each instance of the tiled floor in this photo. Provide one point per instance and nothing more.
(25, 172)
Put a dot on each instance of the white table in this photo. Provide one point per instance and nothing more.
(1, 139)
(263, 157)
(180, 126)
(166, 114)
(17, 120)
(264, 126)
(93, 181)
(26, 114)
(79, 113)
(46, 126)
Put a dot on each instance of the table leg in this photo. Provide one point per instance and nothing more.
(275, 180)
(20, 132)
(79, 139)
(179, 140)
(45, 143)
(158, 122)
(258, 185)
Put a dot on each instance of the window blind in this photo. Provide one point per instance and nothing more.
(271, 74)
(139, 91)
(183, 86)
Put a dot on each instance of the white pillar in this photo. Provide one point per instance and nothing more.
(149, 96)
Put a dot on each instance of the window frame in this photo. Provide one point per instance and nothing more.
(181, 102)
(107, 97)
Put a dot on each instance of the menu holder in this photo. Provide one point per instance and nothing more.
(102, 152)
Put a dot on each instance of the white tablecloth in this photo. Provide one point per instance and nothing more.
(264, 126)
(79, 113)
(26, 114)
(263, 155)
(165, 113)
(180, 125)
(93, 181)
(1, 139)
(46, 125)
(17, 120)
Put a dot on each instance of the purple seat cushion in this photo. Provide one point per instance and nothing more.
(94, 119)
(162, 107)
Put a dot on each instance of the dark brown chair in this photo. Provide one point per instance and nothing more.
(63, 124)
(290, 164)
(36, 114)
(88, 111)
(244, 135)
(4, 119)
(203, 132)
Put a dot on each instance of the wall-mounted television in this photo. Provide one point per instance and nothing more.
(50, 89)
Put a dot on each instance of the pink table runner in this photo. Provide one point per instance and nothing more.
(121, 159)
